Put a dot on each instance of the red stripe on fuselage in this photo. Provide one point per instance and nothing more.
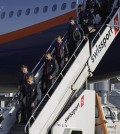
(36, 28)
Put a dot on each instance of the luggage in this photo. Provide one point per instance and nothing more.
(19, 116)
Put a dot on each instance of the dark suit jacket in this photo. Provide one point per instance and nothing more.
(32, 93)
(75, 33)
(63, 50)
(51, 68)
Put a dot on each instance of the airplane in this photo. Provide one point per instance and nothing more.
(71, 82)
(27, 29)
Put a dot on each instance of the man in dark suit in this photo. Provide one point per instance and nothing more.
(83, 19)
(50, 72)
(31, 98)
(22, 87)
(25, 74)
(74, 35)
(106, 6)
(61, 51)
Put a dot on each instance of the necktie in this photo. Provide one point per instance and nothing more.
(24, 77)
(46, 67)
(58, 49)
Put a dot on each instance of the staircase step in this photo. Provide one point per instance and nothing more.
(15, 132)
(19, 127)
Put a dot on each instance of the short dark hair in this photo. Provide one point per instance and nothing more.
(80, 6)
(23, 66)
(58, 36)
(30, 77)
(71, 18)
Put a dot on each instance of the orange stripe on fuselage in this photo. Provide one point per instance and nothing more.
(36, 28)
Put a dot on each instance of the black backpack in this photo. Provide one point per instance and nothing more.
(76, 35)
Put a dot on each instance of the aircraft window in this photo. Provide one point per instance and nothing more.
(54, 8)
(19, 13)
(27, 11)
(2, 15)
(36, 10)
(45, 9)
(73, 5)
(63, 7)
(11, 13)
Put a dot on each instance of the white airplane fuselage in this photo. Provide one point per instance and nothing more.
(27, 28)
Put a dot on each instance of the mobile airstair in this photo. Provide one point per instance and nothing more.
(79, 67)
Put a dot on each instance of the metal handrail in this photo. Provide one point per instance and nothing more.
(98, 33)
(42, 57)
(28, 123)
(47, 94)
(8, 105)
(47, 50)
(33, 71)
